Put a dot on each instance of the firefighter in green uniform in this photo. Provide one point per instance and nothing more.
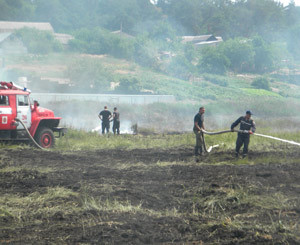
(248, 126)
(198, 126)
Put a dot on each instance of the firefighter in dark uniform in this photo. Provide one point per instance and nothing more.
(198, 126)
(246, 124)
(105, 116)
(116, 121)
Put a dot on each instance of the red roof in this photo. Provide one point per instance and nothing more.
(12, 91)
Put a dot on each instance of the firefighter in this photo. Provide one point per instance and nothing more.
(246, 124)
(198, 126)
(105, 116)
(116, 121)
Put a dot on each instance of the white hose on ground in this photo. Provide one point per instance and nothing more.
(28, 133)
(246, 132)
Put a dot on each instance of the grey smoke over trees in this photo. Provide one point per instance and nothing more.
(257, 34)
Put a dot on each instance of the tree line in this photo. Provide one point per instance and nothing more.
(257, 34)
(226, 18)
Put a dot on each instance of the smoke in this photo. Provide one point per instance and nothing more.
(125, 128)
(175, 117)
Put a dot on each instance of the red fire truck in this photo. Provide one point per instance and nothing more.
(23, 119)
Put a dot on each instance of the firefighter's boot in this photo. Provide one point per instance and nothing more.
(196, 151)
(201, 151)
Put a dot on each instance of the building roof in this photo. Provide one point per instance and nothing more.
(63, 38)
(122, 34)
(4, 35)
(201, 38)
(8, 26)
(208, 42)
(12, 91)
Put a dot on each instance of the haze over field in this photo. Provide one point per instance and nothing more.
(252, 62)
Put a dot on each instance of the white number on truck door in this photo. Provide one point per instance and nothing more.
(4, 120)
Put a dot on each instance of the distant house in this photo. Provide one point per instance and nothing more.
(10, 44)
(10, 27)
(63, 38)
(120, 33)
(7, 26)
(198, 41)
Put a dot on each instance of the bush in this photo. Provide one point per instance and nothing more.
(240, 53)
(293, 41)
(39, 42)
(180, 67)
(100, 41)
(213, 61)
(146, 52)
(89, 75)
(129, 86)
(261, 83)
(263, 57)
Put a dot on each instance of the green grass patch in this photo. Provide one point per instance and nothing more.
(39, 206)
(77, 140)
(115, 206)
(261, 92)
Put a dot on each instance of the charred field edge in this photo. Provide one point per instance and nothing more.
(149, 189)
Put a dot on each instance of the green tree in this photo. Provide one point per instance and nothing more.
(187, 12)
(240, 54)
(293, 41)
(39, 42)
(129, 86)
(190, 52)
(292, 15)
(262, 17)
(263, 57)
(100, 41)
(125, 14)
(261, 83)
(16, 10)
(213, 61)
(146, 52)
(180, 67)
(89, 75)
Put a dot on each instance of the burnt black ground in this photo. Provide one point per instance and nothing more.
(159, 180)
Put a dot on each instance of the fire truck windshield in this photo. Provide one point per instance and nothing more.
(22, 100)
(4, 100)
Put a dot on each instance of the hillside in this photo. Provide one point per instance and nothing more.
(56, 72)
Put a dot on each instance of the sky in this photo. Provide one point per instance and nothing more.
(286, 2)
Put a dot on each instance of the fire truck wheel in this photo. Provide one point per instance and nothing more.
(45, 137)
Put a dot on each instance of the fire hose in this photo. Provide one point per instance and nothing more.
(242, 131)
(28, 133)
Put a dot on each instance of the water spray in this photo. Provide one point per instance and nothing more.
(244, 132)
(275, 138)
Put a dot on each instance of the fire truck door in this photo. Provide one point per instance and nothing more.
(23, 110)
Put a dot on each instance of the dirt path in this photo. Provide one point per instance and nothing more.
(148, 196)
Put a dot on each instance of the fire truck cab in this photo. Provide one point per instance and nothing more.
(15, 105)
